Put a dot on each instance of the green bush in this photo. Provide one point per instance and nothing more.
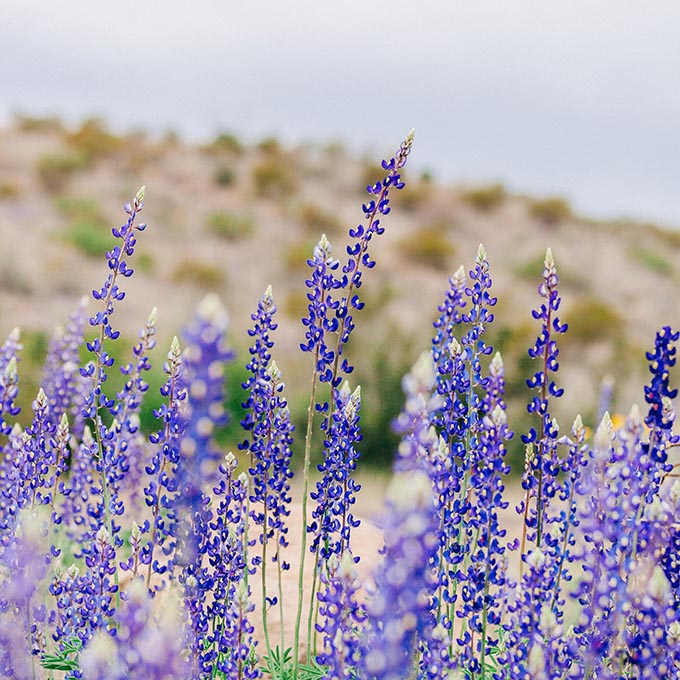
(8, 191)
(94, 141)
(429, 246)
(270, 145)
(413, 196)
(77, 208)
(550, 211)
(295, 255)
(91, 237)
(590, 320)
(230, 227)
(652, 260)
(317, 221)
(486, 198)
(37, 124)
(55, 170)
(273, 179)
(225, 142)
(225, 176)
(198, 273)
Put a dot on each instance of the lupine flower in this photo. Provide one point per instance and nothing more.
(230, 647)
(8, 393)
(624, 586)
(161, 491)
(484, 579)
(268, 441)
(85, 599)
(341, 618)
(96, 369)
(148, 643)
(64, 386)
(332, 517)
(126, 455)
(400, 615)
(22, 570)
(543, 464)
(267, 424)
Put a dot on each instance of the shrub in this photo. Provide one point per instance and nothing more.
(550, 211)
(591, 319)
(78, 208)
(429, 246)
(225, 143)
(486, 198)
(37, 123)
(413, 196)
(317, 220)
(94, 141)
(198, 273)
(652, 260)
(90, 237)
(273, 179)
(225, 176)
(55, 171)
(8, 191)
(270, 146)
(230, 227)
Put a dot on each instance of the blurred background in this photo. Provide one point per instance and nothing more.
(256, 126)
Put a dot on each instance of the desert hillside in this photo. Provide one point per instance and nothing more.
(233, 218)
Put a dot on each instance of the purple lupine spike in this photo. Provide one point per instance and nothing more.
(658, 394)
(484, 578)
(320, 322)
(10, 348)
(400, 621)
(126, 455)
(626, 600)
(332, 518)
(84, 600)
(534, 643)
(64, 386)
(109, 294)
(359, 258)
(80, 506)
(420, 441)
(21, 614)
(230, 646)
(148, 643)
(203, 375)
(204, 360)
(543, 465)
(9, 390)
(163, 486)
(268, 441)
(341, 618)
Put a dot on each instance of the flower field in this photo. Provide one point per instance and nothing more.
(124, 555)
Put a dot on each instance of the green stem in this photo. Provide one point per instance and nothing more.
(305, 489)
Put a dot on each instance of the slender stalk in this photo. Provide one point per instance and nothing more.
(305, 490)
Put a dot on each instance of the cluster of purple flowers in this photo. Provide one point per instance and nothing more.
(128, 556)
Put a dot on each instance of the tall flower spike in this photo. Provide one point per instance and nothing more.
(65, 387)
(400, 620)
(539, 481)
(97, 367)
(327, 314)
(162, 488)
(269, 439)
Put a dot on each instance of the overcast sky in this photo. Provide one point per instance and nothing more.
(576, 97)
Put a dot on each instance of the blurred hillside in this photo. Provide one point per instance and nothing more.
(232, 218)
